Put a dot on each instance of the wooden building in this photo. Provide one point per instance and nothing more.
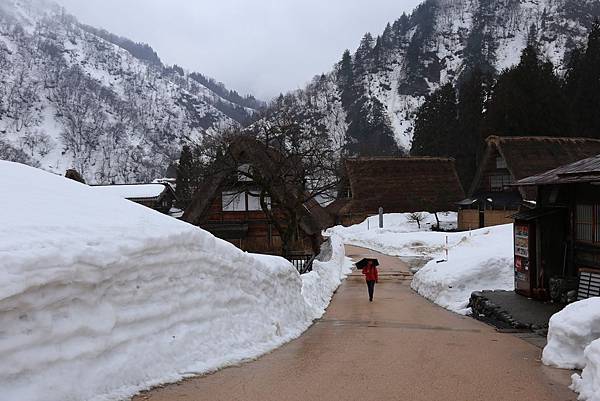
(557, 244)
(492, 200)
(228, 205)
(157, 196)
(398, 184)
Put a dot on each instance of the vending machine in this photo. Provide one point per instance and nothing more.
(525, 266)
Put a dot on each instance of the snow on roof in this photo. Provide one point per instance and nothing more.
(132, 191)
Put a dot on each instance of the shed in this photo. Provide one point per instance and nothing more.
(559, 251)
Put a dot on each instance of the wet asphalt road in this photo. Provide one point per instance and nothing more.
(400, 347)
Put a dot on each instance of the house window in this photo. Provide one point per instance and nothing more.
(498, 182)
(500, 162)
(254, 202)
(584, 222)
(234, 202)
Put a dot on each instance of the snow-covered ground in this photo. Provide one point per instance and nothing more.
(399, 237)
(480, 260)
(477, 260)
(574, 343)
(101, 297)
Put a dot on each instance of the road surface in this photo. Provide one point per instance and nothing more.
(400, 347)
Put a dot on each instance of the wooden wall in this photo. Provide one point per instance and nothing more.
(468, 219)
(498, 217)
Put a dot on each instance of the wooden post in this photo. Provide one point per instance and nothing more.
(381, 217)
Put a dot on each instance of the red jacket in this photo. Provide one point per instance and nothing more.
(370, 273)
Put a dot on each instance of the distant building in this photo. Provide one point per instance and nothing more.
(557, 244)
(398, 184)
(491, 199)
(157, 196)
(228, 206)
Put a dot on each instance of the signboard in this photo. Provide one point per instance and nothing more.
(522, 241)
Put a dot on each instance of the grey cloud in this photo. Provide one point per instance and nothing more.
(262, 47)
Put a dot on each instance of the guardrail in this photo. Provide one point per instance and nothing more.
(302, 263)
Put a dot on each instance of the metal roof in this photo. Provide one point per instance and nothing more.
(582, 171)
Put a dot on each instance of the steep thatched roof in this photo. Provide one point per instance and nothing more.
(402, 184)
(248, 150)
(528, 156)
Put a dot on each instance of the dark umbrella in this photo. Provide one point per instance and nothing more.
(362, 263)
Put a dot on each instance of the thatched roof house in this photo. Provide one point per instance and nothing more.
(492, 198)
(245, 224)
(529, 155)
(398, 184)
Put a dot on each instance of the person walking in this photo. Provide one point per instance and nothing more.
(372, 277)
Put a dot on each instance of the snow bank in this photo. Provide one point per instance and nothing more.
(319, 285)
(574, 343)
(570, 332)
(481, 260)
(101, 297)
(399, 237)
(588, 384)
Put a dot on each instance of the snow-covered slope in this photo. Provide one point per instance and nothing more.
(389, 75)
(73, 97)
(97, 306)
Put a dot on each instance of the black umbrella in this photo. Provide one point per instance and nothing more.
(362, 263)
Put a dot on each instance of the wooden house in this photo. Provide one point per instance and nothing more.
(557, 244)
(398, 185)
(228, 205)
(157, 196)
(492, 200)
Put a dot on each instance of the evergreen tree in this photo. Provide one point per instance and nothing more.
(346, 79)
(186, 173)
(583, 87)
(436, 125)
(527, 100)
(470, 143)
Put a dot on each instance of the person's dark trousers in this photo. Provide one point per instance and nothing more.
(371, 286)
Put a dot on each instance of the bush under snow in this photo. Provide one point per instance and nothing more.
(101, 297)
(574, 343)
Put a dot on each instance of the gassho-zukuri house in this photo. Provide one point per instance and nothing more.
(492, 199)
(398, 185)
(557, 244)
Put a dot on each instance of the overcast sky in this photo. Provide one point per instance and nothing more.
(261, 47)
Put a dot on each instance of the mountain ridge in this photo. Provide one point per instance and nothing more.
(376, 90)
(74, 96)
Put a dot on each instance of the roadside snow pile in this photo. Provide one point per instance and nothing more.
(400, 237)
(570, 332)
(481, 260)
(101, 297)
(319, 285)
(588, 384)
(574, 343)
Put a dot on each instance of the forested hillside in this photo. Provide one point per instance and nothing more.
(73, 96)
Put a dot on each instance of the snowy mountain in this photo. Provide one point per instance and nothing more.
(72, 96)
(370, 97)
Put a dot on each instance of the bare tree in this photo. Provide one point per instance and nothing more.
(416, 217)
(284, 163)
